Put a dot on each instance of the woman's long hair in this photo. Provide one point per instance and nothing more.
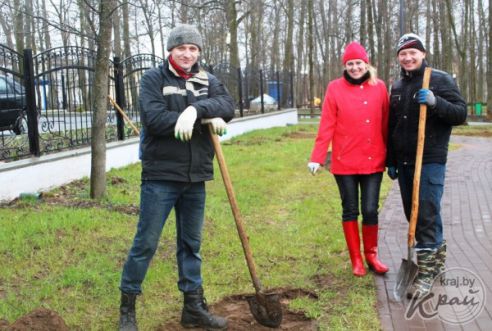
(373, 74)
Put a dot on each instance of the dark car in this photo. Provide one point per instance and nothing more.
(12, 101)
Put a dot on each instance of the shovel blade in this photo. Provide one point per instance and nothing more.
(266, 309)
(406, 274)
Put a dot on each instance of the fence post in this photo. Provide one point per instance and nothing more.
(240, 90)
(120, 97)
(32, 114)
(261, 92)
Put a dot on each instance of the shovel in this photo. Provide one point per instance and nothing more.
(123, 114)
(408, 268)
(265, 307)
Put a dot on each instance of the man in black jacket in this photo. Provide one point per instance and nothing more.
(446, 107)
(177, 102)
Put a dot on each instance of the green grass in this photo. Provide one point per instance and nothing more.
(67, 256)
(484, 130)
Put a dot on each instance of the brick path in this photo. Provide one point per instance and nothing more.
(467, 217)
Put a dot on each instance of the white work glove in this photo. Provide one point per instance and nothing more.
(219, 126)
(184, 126)
(313, 167)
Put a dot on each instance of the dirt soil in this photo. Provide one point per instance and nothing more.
(40, 319)
(235, 308)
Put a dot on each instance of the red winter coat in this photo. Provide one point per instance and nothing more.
(354, 119)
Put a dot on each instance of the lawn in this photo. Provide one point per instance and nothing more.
(484, 130)
(65, 252)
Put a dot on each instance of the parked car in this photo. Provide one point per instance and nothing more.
(12, 105)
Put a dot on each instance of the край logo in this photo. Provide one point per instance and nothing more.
(457, 297)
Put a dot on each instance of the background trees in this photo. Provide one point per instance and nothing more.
(304, 37)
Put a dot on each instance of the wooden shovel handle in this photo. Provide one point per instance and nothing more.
(418, 163)
(127, 119)
(235, 210)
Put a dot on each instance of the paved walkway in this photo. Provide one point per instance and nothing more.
(467, 216)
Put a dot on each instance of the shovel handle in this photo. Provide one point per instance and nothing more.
(127, 119)
(235, 209)
(418, 163)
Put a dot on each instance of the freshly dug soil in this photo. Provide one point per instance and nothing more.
(235, 308)
(40, 319)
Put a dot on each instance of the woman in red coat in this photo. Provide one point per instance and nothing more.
(354, 120)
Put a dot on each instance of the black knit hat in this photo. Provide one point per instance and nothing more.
(410, 40)
(184, 34)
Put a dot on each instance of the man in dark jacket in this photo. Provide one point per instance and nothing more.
(446, 108)
(177, 102)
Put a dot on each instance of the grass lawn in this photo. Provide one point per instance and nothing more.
(484, 130)
(66, 252)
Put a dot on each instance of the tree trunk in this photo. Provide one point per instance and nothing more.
(98, 131)
(436, 57)
(288, 64)
(274, 55)
(117, 33)
(18, 27)
(363, 25)
(28, 26)
(489, 67)
(310, 51)
(7, 30)
(480, 54)
(472, 56)
(126, 30)
(46, 31)
(231, 17)
(300, 86)
(370, 31)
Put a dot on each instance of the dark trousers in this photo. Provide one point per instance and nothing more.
(157, 199)
(429, 232)
(370, 185)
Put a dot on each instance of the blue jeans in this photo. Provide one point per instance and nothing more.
(157, 199)
(429, 232)
(348, 186)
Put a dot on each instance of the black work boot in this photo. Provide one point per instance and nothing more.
(128, 320)
(195, 313)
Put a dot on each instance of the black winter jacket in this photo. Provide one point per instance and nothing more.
(450, 109)
(163, 97)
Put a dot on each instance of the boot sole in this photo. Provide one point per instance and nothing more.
(370, 267)
(191, 326)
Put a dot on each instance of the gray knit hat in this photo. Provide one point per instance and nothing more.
(184, 34)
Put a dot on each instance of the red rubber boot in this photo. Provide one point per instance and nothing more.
(370, 239)
(351, 231)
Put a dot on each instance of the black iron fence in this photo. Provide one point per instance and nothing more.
(46, 99)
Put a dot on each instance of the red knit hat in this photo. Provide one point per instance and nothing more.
(354, 51)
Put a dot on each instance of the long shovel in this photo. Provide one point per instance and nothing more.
(408, 268)
(123, 114)
(265, 307)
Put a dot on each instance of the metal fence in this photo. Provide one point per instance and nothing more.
(46, 99)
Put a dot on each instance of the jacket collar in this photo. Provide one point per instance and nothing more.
(199, 75)
(353, 81)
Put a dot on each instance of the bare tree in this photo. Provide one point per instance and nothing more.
(98, 132)
(6, 23)
(148, 9)
(288, 64)
(18, 26)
